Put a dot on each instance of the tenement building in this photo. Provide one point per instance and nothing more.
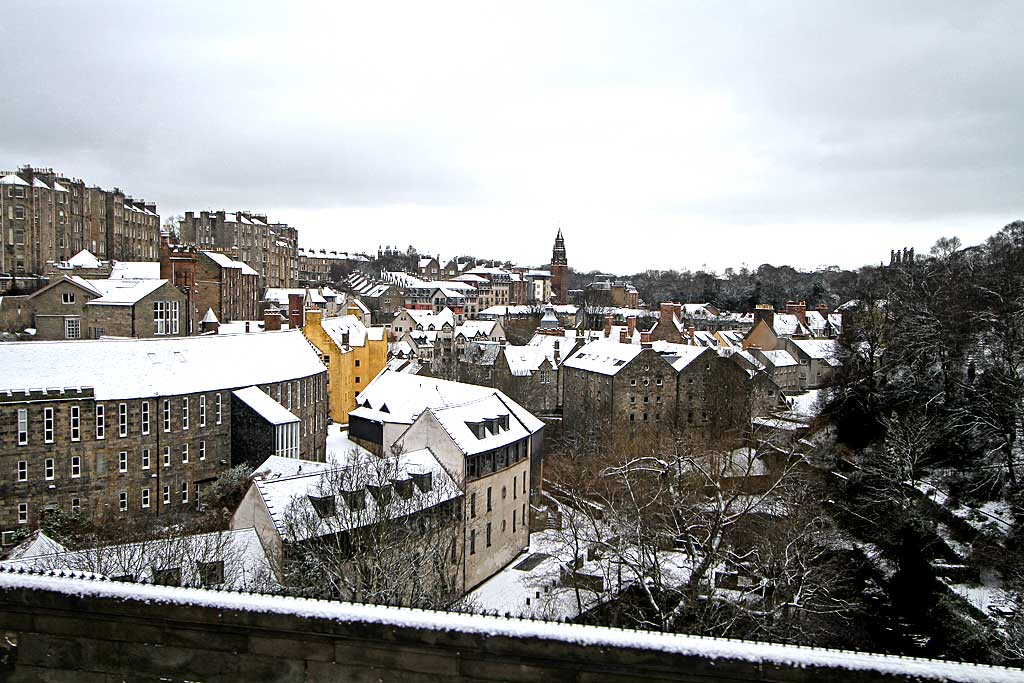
(48, 216)
(119, 428)
(270, 248)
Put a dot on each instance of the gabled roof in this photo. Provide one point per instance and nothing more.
(460, 421)
(77, 281)
(406, 396)
(225, 261)
(84, 259)
(357, 333)
(525, 360)
(123, 292)
(210, 317)
(780, 358)
(826, 350)
(476, 328)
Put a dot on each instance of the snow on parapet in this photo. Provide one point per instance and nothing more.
(137, 368)
(762, 654)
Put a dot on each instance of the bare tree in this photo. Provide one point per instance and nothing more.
(377, 531)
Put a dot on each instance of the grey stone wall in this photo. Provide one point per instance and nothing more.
(85, 631)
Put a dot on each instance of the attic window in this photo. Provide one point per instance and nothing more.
(381, 494)
(424, 482)
(404, 489)
(167, 577)
(323, 505)
(211, 573)
(355, 500)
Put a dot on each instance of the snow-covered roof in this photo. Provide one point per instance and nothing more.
(605, 356)
(210, 317)
(406, 396)
(123, 291)
(491, 413)
(780, 358)
(138, 368)
(820, 349)
(787, 325)
(357, 333)
(225, 261)
(476, 328)
(135, 270)
(679, 355)
(287, 496)
(815, 321)
(246, 564)
(525, 360)
(265, 406)
(556, 346)
(57, 187)
(12, 179)
(85, 259)
(428, 320)
(38, 543)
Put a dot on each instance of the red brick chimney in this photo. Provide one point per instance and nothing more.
(608, 325)
(630, 326)
(295, 312)
(645, 337)
(799, 309)
(690, 333)
(665, 311)
(271, 320)
(623, 339)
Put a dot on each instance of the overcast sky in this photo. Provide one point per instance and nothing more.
(656, 135)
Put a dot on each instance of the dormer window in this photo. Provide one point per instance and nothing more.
(323, 505)
(424, 481)
(381, 494)
(404, 489)
(355, 500)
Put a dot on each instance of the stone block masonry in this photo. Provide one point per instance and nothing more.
(73, 629)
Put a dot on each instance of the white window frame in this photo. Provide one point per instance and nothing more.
(184, 453)
(101, 422)
(48, 420)
(23, 470)
(76, 423)
(72, 328)
(184, 414)
(145, 498)
(202, 450)
(146, 459)
(167, 456)
(122, 501)
(122, 419)
(145, 417)
(22, 426)
(76, 505)
(76, 466)
(167, 494)
(202, 411)
(184, 493)
(67, 297)
(122, 461)
(49, 469)
(167, 415)
(22, 513)
(219, 406)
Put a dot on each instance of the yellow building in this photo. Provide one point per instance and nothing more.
(353, 353)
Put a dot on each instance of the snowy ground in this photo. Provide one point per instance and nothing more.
(535, 591)
(988, 596)
(339, 447)
(993, 515)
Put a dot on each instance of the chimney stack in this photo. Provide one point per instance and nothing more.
(630, 326)
(622, 337)
(665, 311)
(766, 313)
(295, 317)
(271, 319)
(645, 338)
(799, 309)
(608, 324)
(690, 332)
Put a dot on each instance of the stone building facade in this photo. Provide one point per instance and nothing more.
(115, 428)
(48, 216)
(75, 308)
(270, 248)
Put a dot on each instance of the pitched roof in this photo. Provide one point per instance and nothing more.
(135, 270)
(225, 261)
(605, 356)
(357, 333)
(525, 360)
(139, 368)
(460, 421)
(819, 349)
(287, 496)
(123, 291)
(84, 259)
(12, 179)
(406, 396)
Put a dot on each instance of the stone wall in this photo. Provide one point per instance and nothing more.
(66, 629)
